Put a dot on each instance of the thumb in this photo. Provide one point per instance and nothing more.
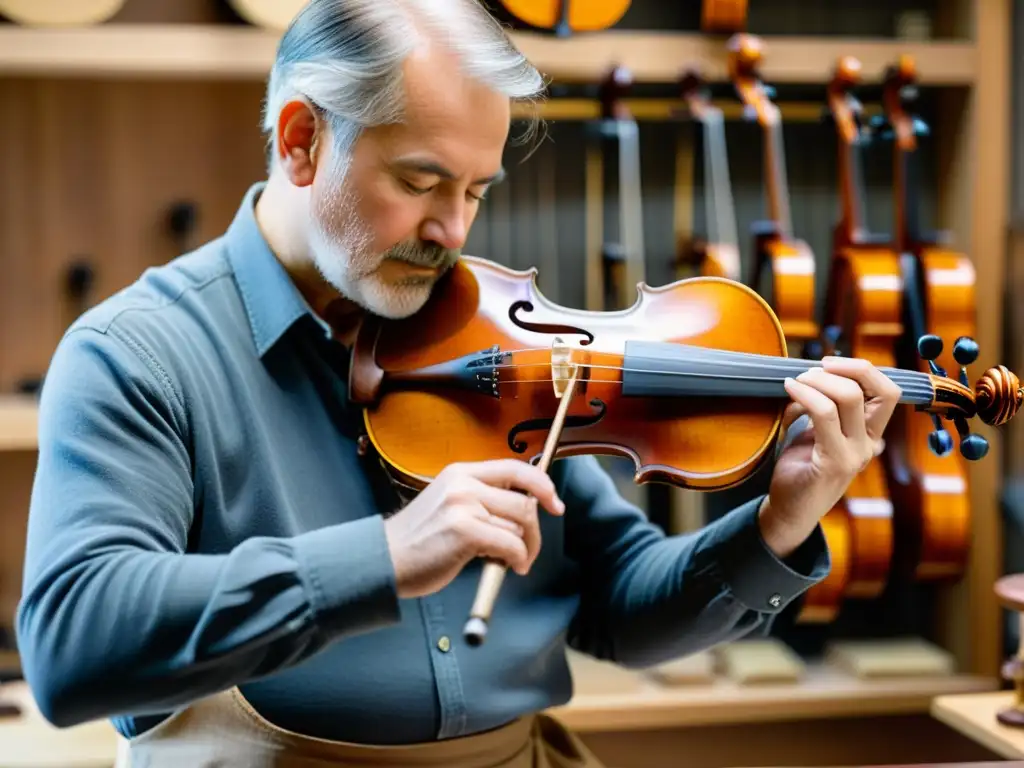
(793, 412)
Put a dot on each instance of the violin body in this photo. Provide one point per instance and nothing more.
(784, 265)
(575, 16)
(716, 259)
(424, 409)
(784, 274)
(939, 292)
(863, 309)
(866, 298)
(935, 487)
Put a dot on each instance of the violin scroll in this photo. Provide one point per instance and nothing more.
(997, 396)
(745, 55)
(843, 105)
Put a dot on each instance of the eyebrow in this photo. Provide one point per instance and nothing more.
(428, 166)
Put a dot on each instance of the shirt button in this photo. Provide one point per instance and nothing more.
(775, 600)
(444, 644)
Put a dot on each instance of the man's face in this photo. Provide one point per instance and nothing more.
(391, 219)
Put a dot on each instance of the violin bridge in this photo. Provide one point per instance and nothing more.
(561, 366)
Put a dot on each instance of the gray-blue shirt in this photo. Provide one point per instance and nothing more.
(201, 518)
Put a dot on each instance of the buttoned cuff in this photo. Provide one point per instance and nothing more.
(351, 579)
(754, 574)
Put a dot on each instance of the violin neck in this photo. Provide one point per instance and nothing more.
(851, 180)
(905, 186)
(665, 369)
(775, 176)
(631, 224)
(717, 187)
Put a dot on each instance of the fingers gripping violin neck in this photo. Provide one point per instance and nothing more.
(688, 382)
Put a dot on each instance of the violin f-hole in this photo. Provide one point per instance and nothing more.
(551, 328)
(544, 425)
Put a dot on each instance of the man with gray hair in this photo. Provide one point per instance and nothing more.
(215, 564)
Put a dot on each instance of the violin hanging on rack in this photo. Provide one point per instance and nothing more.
(719, 254)
(567, 17)
(927, 474)
(783, 269)
(862, 316)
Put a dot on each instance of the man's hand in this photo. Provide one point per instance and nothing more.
(470, 510)
(849, 402)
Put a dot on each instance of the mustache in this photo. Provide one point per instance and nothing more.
(424, 255)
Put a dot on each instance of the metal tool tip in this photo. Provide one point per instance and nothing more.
(475, 631)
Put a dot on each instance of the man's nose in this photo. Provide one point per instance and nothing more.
(449, 229)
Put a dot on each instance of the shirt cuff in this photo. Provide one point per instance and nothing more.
(754, 574)
(348, 571)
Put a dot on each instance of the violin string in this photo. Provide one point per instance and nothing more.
(905, 379)
(725, 357)
(913, 389)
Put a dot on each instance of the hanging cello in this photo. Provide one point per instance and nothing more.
(719, 254)
(784, 267)
(862, 314)
(927, 474)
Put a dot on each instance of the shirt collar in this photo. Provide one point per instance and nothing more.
(272, 302)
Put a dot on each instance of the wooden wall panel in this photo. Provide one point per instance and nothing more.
(90, 170)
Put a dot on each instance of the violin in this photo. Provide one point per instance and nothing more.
(863, 309)
(931, 486)
(723, 16)
(688, 382)
(783, 266)
(566, 17)
(719, 255)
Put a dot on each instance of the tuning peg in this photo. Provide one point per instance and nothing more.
(940, 441)
(965, 352)
(929, 347)
(972, 447)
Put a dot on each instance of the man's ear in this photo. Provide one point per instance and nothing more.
(299, 131)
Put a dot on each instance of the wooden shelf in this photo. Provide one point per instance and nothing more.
(609, 698)
(243, 52)
(630, 702)
(974, 715)
(18, 423)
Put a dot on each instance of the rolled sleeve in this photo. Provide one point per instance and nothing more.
(754, 574)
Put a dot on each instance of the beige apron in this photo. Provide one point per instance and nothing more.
(225, 731)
